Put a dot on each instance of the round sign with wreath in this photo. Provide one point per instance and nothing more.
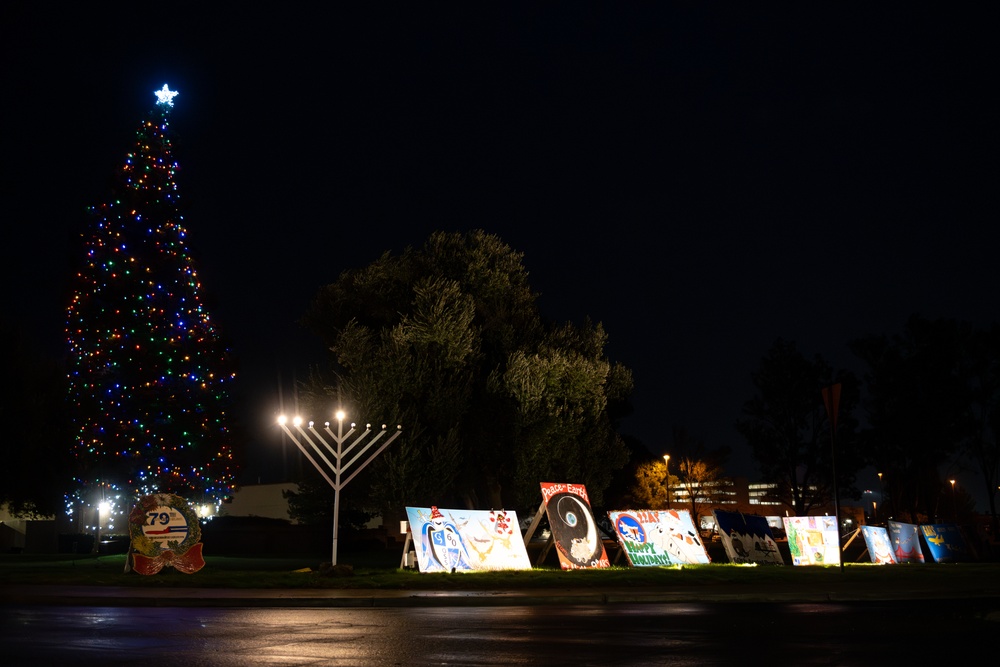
(165, 533)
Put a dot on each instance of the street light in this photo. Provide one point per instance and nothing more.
(881, 493)
(666, 462)
(337, 466)
(954, 504)
(102, 512)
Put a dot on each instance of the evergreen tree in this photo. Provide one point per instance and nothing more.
(447, 340)
(149, 376)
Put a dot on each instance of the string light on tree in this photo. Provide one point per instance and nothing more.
(149, 374)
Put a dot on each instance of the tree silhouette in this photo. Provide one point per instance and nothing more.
(917, 406)
(37, 464)
(787, 428)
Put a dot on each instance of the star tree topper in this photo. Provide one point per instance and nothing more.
(165, 96)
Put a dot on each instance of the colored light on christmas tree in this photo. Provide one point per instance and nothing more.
(149, 376)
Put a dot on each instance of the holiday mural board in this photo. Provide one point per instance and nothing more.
(451, 540)
(658, 537)
(946, 543)
(573, 527)
(164, 532)
(879, 545)
(813, 540)
(747, 538)
(905, 539)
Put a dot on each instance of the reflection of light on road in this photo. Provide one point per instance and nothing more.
(675, 634)
(672, 609)
(825, 608)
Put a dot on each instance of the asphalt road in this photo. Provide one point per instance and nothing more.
(707, 633)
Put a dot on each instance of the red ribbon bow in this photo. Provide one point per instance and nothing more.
(188, 562)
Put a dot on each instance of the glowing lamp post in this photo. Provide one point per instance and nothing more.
(309, 435)
(666, 462)
(103, 509)
(881, 495)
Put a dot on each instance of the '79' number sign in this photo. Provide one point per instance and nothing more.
(165, 524)
(165, 533)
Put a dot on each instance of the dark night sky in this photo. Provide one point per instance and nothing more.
(700, 177)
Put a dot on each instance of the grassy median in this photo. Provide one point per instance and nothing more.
(375, 573)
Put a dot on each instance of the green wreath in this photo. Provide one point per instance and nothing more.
(137, 519)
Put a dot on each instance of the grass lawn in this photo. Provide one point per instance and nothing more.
(378, 571)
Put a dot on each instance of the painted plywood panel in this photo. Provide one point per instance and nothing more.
(905, 539)
(658, 537)
(879, 545)
(454, 540)
(813, 540)
(574, 530)
(747, 538)
(946, 543)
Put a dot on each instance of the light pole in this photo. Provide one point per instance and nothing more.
(831, 400)
(102, 511)
(954, 503)
(881, 493)
(666, 462)
(337, 466)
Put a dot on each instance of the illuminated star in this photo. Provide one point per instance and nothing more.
(165, 96)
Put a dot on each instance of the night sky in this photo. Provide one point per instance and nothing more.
(702, 178)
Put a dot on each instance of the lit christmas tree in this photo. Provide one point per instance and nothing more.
(149, 375)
